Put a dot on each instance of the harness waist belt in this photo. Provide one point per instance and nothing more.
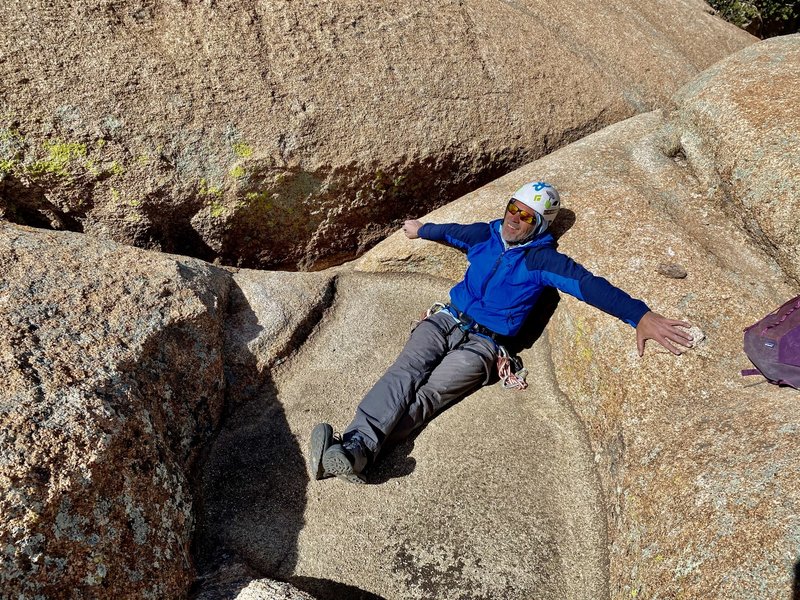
(467, 323)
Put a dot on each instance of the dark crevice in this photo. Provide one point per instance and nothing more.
(257, 223)
(227, 465)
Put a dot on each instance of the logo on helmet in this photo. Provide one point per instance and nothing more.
(541, 197)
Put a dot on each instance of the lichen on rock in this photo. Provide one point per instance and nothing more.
(371, 115)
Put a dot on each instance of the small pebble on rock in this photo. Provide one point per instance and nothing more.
(672, 271)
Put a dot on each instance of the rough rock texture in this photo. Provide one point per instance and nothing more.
(739, 127)
(291, 134)
(99, 418)
(497, 498)
(269, 315)
(699, 467)
(116, 361)
(236, 581)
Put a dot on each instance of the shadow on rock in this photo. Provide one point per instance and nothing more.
(252, 491)
(251, 484)
(563, 223)
(394, 462)
(325, 589)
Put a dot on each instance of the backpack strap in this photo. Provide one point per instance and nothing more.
(747, 372)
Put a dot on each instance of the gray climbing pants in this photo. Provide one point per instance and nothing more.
(439, 364)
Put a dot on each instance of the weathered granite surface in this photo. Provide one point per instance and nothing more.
(269, 316)
(739, 129)
(116, 362)
(699, 467)
(113, 378)
(497, 498)
(294, 134)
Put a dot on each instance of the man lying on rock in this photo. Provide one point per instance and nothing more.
(453, 351)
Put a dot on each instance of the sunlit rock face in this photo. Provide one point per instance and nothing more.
(295, 134)
(117, 364)
(739, 127)
(118, 360)
(113, 379)
(699, 466)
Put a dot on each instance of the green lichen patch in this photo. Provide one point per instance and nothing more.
(60, 157)
(93, 168)
(237, 172)
(216, 209)
(259, 198)
(242, 150)
(6, 166)
(212, 196)
(208, 189)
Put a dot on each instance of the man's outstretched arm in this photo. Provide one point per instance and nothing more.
(667, 332)
(560, 271)
(459, 236)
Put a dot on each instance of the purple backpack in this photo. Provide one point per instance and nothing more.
(773, 345)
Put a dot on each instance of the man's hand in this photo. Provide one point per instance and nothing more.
(411, 227)
(665, 331)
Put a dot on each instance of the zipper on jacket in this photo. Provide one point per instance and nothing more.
(488, 277)
(491, 274)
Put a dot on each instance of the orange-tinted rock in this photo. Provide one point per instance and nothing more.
(113, 378)
(294, 134)
(699, 466)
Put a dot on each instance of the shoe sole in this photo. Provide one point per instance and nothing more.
(335, 462)
(321, 440)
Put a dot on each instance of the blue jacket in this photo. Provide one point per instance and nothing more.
(501, 286)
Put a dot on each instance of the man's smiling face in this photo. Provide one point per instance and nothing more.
(515, 228)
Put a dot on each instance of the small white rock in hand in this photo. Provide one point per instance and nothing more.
(667, 332)
(411, 227)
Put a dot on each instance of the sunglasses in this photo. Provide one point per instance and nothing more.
(524, 215)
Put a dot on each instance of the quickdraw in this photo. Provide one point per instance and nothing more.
(511, 380)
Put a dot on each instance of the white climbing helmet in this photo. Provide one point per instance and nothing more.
(541, 197)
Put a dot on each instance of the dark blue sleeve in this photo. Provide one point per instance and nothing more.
(560, 271)
(460, 236)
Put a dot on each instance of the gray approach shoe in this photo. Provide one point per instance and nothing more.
(346, 460)
(321, 439)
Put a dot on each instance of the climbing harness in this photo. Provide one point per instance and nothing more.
(509, 368)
